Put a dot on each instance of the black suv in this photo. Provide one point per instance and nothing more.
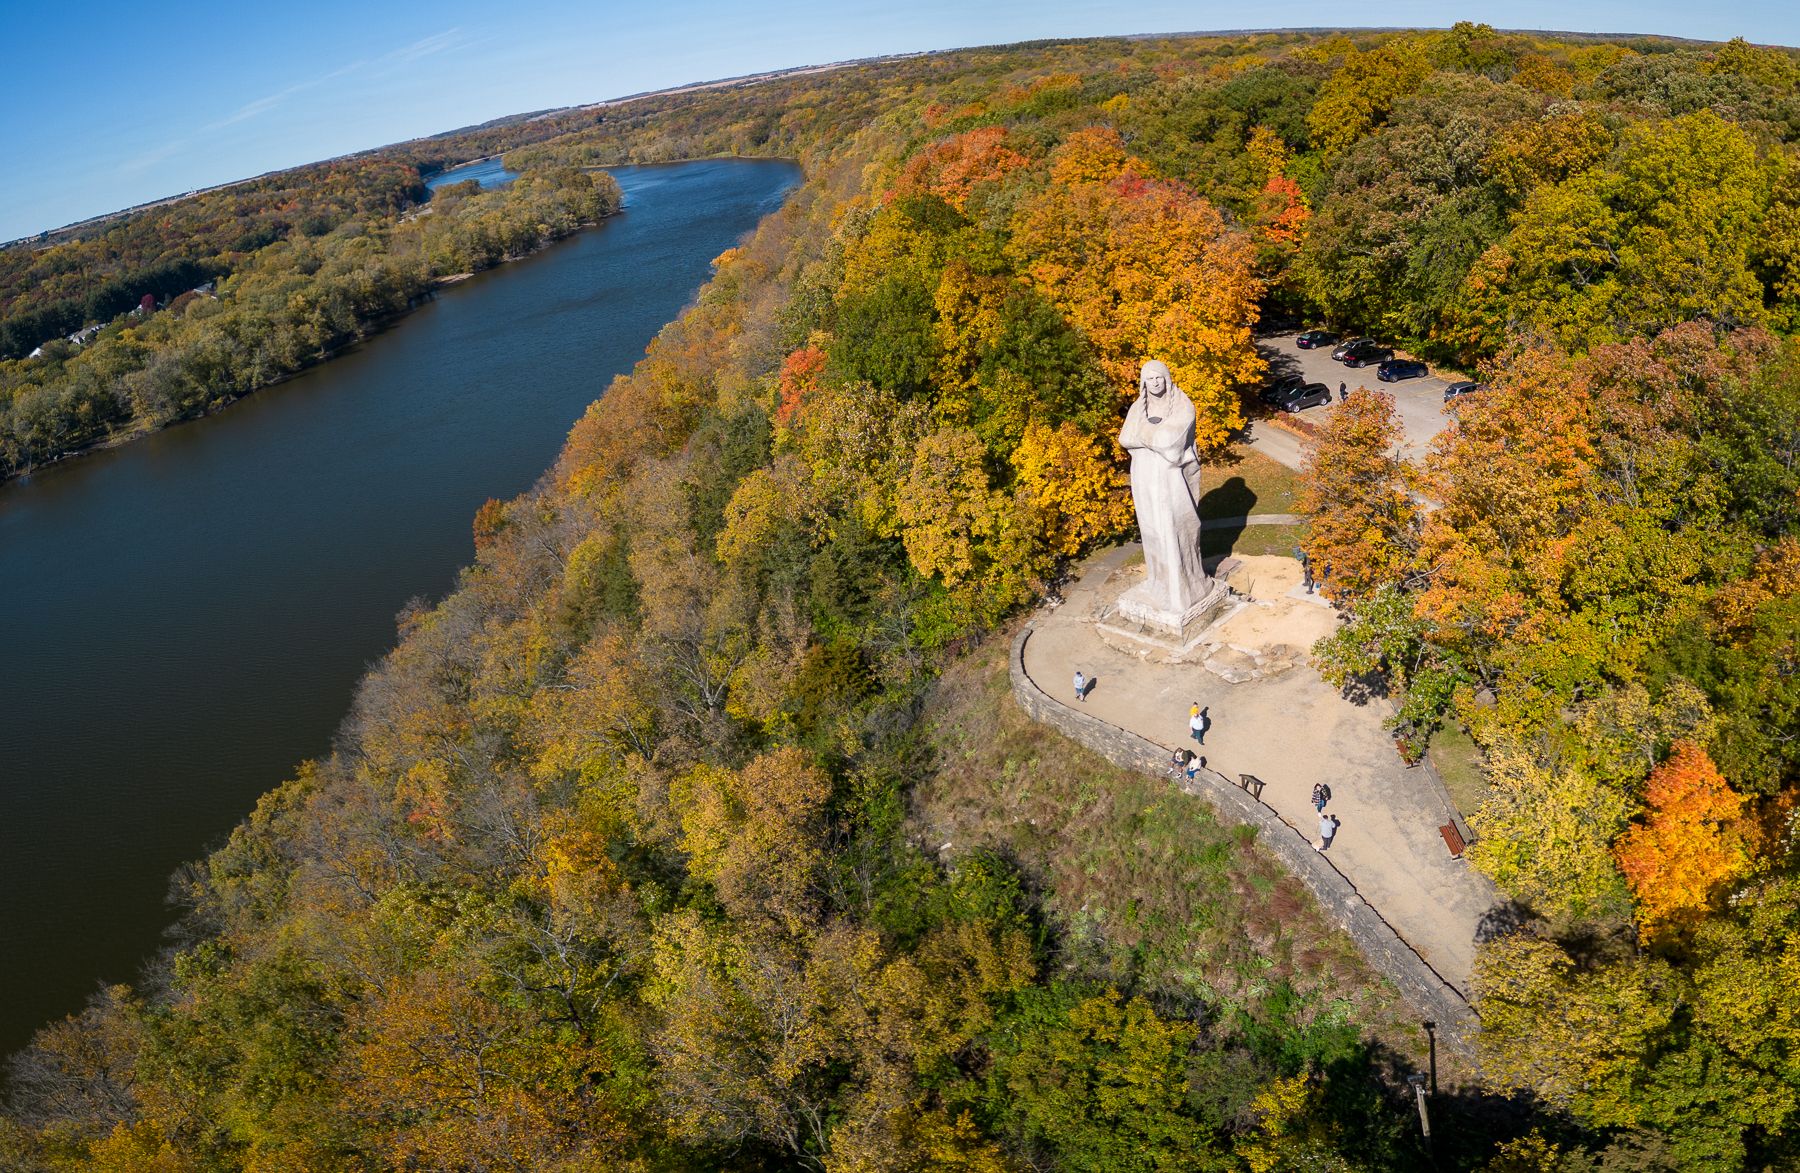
(1300, 398)
(1313, 339)
(1364, 352)
(1280, 389)
(1396, 369)
(1349, 344)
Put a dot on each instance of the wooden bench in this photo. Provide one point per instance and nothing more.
(1253, 784)
(1452, 839)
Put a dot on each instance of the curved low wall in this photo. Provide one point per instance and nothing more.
(1380, 945)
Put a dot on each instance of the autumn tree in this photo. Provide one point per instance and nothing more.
(959, 529)
(1663, 233)
(756, 833)
(1686, 849)
(1511, 477)
(1356, 492)
(1144, 268)
(954, 168)
(1358, 96)
(1100, 1082)
(1073, 486)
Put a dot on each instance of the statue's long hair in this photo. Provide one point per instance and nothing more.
(1154, 366)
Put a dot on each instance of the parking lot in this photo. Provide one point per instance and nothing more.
(1420, 402)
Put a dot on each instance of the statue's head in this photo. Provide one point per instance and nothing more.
(1154, 379)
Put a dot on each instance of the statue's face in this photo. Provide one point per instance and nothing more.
(1156, 383)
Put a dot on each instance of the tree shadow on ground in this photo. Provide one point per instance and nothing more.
(1360, 690)
(1503, 919)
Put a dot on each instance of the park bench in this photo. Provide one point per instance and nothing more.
(1452, 839)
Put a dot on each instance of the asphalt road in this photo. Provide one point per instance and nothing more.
(1420, 402)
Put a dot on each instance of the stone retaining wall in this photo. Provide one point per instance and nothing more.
(1429, 994)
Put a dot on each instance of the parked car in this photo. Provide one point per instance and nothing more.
(1457, 390)
(1349, 344)
(1310, 395)
(1280, 389)
(1313, 339)
(1396, 369)
(1366, 352)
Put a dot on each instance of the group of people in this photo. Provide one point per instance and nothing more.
(1328, 824)
(1188, 763)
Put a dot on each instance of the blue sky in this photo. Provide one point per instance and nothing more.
(111, 104)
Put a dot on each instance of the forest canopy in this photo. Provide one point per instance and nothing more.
(633, 853)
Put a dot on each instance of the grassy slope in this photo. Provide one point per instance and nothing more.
(1141, 882)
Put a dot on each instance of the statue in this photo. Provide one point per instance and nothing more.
(1176, 594)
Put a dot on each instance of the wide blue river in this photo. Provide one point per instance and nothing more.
(183, 619)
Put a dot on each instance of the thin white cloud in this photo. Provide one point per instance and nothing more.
(452, 38)
(152, 157)
(426, 46)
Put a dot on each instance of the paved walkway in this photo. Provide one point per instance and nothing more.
(1287, 727)
(1243, 520)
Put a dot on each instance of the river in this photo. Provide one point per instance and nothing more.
(487, 172)
(183, 618)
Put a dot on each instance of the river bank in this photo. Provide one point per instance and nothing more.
(375, 328)
(186, 616)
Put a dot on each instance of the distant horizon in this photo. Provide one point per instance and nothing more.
(88, 147)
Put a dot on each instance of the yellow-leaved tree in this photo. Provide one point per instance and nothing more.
(1077, 493)
(958, 529)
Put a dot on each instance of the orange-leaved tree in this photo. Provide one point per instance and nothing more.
(954, 168)
(1144, 268)
(1356, 493)
(1514, 476)
(1688, 847)
(1281, 211)
(800, 373)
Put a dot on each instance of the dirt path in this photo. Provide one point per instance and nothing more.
(1286, 726)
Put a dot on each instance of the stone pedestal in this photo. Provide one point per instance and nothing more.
(1150, 610)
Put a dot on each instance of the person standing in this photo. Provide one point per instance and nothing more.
(1343, 392)
(1197, 723)
(1080, 686)
(1321, 794)
(1328, 825)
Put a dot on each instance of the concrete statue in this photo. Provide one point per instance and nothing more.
(1177, 595)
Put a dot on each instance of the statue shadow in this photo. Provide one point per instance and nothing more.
(1217, 542)
(1222, 512)
(1233, 499)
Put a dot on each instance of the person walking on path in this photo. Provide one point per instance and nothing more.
(1328, 826)
(1343, 392)
(1321, 795)
(1080, 686)
(1197, 723)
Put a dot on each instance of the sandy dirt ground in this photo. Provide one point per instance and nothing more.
(1273, 717)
